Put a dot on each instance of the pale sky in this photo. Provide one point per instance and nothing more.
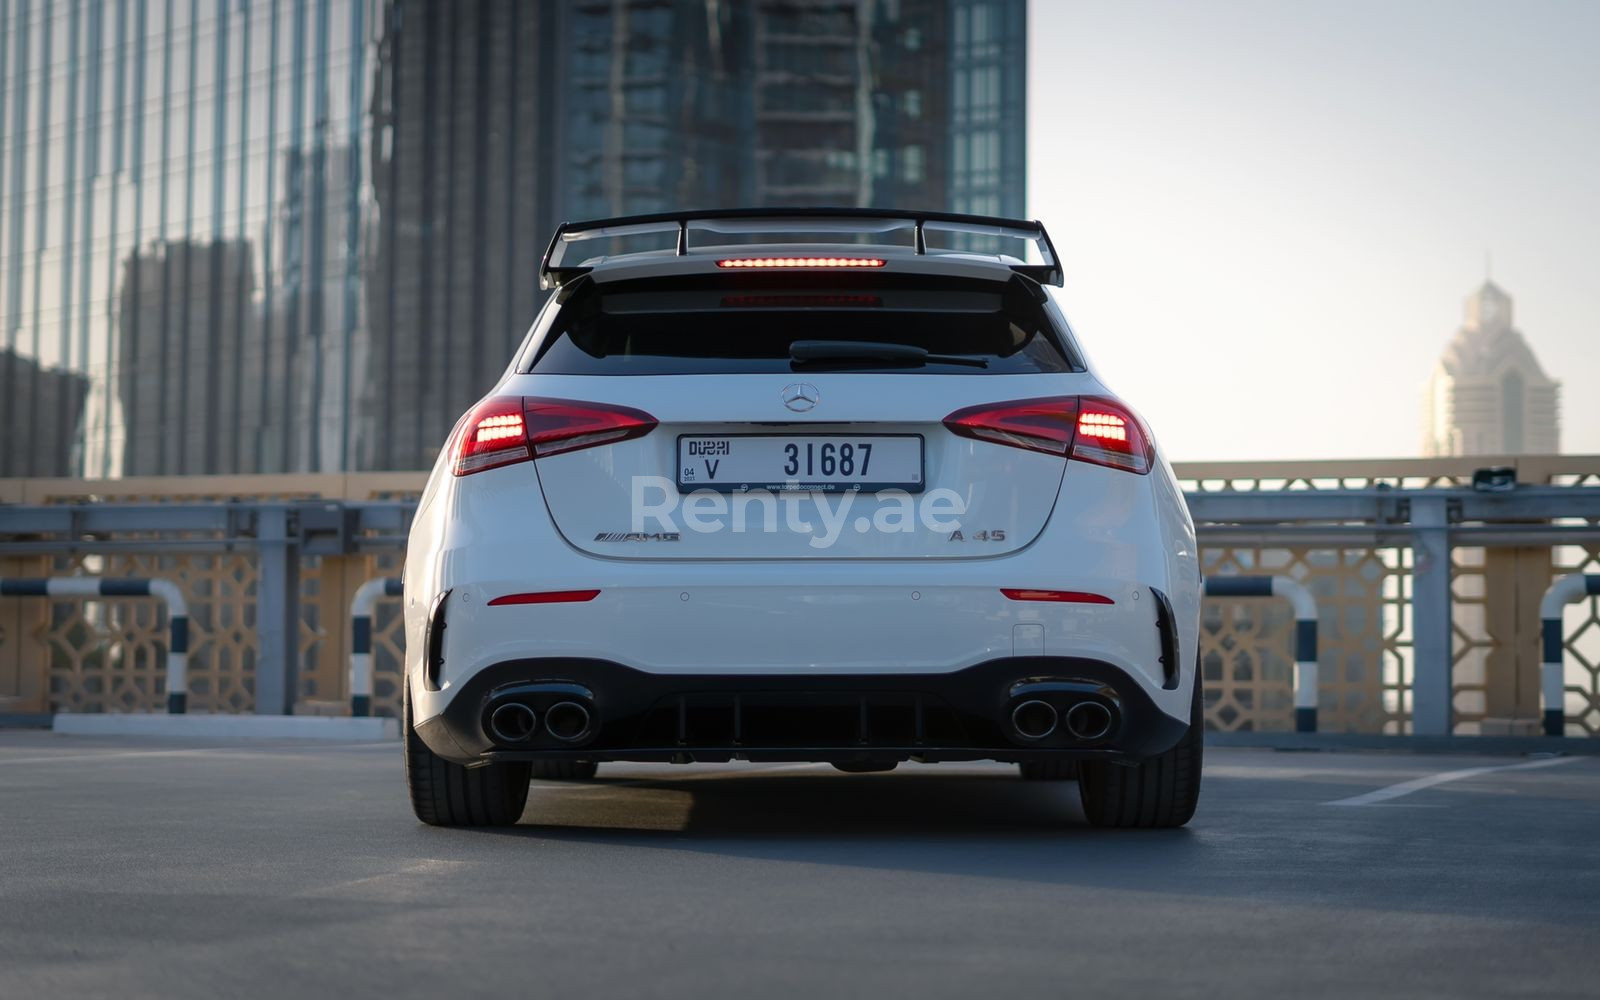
(1270, 211)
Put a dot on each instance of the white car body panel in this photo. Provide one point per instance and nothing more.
(774, 604)
(589, 491)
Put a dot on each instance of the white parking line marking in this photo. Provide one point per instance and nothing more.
(422, 867)
(90, 755)
(1443, 777)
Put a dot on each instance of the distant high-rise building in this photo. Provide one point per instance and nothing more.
(463, 142)
(656, 106)
(305, 235)
(986, 138)
(184, 337)
(1488, 395)
(495, 121)
(888, 103)
(39, 423)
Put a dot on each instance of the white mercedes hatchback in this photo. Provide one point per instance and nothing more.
(802, 485)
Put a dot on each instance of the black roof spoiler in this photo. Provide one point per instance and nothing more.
(556, 269)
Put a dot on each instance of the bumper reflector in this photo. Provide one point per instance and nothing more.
(547, 597)
(1059, 596)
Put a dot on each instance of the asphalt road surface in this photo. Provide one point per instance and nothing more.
(133, 868)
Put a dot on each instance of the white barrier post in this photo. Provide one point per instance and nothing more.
(1552, 682)
(361, 640)
(1305, 633)
(93, 586)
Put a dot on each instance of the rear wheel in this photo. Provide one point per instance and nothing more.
(1161, 792)
(564, 770)
(446, 794)
(1049, 770)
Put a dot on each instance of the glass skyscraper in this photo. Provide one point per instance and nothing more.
(303, 235)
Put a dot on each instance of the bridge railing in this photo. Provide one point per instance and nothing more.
(1427, 591)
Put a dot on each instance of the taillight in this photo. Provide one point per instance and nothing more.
(1110, 434)
(558, 425)
(1035, 424)
(502, 430)
(492, 435)
(1092, 429)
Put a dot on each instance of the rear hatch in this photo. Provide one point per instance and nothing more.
(801, 421)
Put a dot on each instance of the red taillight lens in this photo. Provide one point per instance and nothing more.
(1035, 424)
(1110, 434)
(1091, 429)
(1058, 596)
(768, 262)
(558, 425)
(492, 435)
(546, 597)
(506, 429)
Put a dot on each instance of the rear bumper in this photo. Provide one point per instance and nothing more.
(865, 717)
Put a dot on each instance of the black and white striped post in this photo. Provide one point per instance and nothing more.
(1305, 633)
(93, 586)
(361, 640)
(1565, 591)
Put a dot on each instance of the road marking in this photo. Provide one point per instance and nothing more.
(189, 752)
(110, 756)
(1443, 777)
(421, 867)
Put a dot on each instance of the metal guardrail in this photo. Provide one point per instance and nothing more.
(93, 586)
(1428, 521)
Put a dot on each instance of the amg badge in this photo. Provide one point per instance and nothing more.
(636, 536)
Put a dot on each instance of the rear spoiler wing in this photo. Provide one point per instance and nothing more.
(843, 224)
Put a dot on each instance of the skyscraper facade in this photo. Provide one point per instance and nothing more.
(303, 235)
(1488, 394)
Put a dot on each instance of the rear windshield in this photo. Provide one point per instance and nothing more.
(651, 328)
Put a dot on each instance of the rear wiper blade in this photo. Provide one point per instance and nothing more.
(813, 351)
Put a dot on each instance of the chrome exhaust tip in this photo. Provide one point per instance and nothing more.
(513, 722)
(1089, 720)
(1034, 719)
(567, 721)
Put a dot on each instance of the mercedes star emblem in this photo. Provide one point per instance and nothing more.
(800, 396)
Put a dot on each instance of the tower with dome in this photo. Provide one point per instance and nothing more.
(1488, 394)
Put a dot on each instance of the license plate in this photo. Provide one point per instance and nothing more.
(814, 463)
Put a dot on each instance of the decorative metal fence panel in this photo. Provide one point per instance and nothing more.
(1366, 663)
(109, 655)
(106, 655)
(1247, 644)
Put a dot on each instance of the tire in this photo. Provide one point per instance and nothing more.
(446, 794)
(1161, 792)
(1049, 770)
(564, 770)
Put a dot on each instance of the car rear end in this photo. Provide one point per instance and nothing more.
(855, 504)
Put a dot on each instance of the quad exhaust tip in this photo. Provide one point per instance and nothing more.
(567, 721)
(1089, 720)
(1034, 719)
(513, 722)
